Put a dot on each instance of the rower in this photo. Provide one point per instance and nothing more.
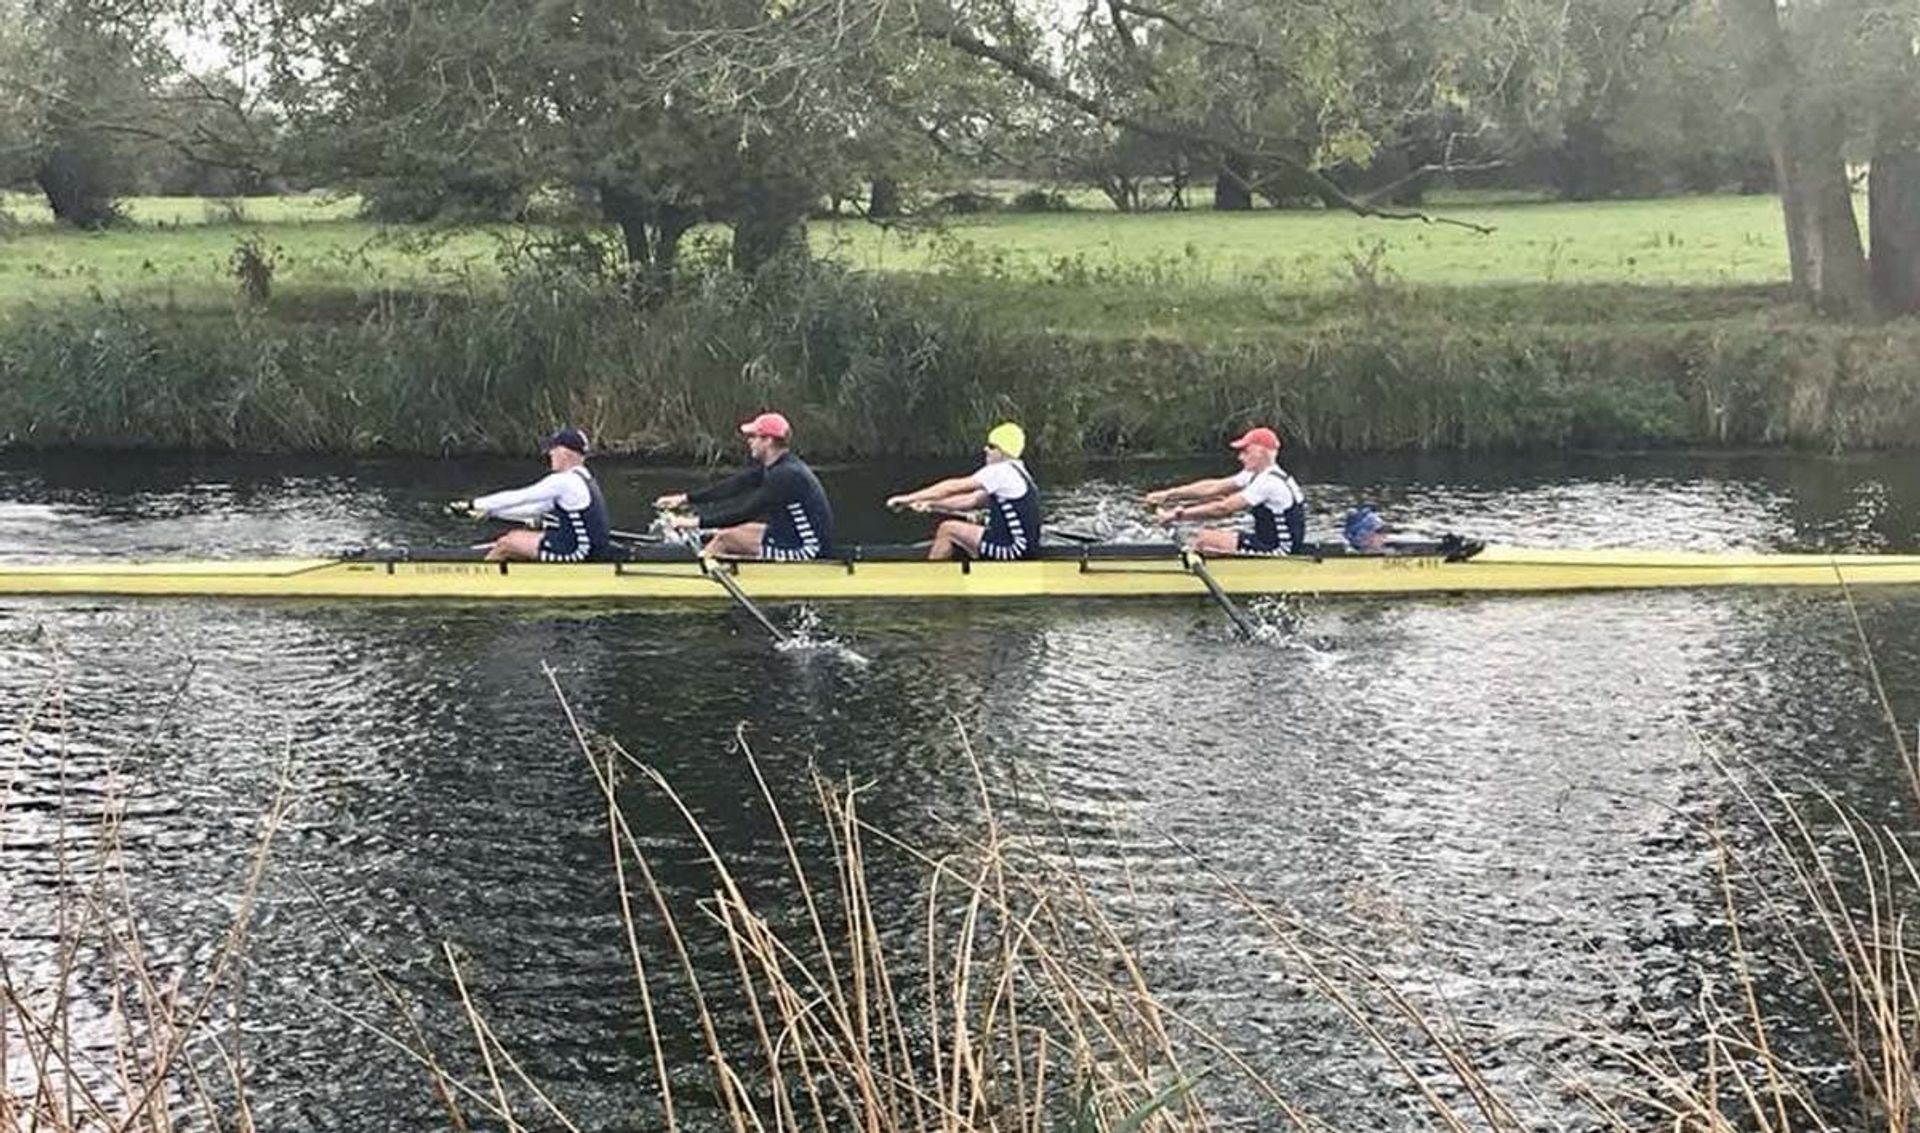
(1003, 486)
(568, 498)
(774, 509)
(1261, 487)
(1366, 533)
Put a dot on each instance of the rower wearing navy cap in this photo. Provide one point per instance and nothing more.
(1261, 488)
(1366, 532)
(774, 509)
(568, 499)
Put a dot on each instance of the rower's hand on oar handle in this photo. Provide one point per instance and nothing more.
(1167, 515)
(464, 509)
(672, 501)
(1154, 499)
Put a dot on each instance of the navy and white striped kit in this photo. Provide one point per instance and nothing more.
(1013, 525)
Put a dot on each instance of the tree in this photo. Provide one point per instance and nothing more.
(1274, 96)
(77, 72)
(1826, 80)
(93, 106)
(663, 113)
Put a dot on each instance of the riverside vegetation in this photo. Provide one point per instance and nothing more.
(287, 326)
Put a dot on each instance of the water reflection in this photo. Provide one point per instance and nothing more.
(1500, 800)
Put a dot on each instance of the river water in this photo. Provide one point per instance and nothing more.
(1501, 800)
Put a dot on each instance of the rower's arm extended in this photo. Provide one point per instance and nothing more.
(1197, 491)
(742, 481)
(738, 509)
(531, 501)
(957, 493)
(1212, 509)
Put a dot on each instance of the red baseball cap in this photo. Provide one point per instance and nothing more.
(768, 425)
(1259, 435)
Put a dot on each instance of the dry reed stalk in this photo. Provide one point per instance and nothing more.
(153, 1021)
(1000, 1029)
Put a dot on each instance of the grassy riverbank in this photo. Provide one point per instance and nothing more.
(1634, 323)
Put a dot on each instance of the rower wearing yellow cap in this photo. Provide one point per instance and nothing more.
(1003, 486)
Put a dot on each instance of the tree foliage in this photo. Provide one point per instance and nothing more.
(93, 106)
(657, 113)
(75, 79)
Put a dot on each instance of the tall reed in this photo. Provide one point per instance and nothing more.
(869, 366)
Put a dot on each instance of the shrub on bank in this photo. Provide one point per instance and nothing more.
(870, 368)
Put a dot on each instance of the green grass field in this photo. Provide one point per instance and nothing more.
(1194, 275)
(1698, 241)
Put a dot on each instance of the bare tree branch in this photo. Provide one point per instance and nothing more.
(1386, 192)
(1187, 29)
(1046, 82)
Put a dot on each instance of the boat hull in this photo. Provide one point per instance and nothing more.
(1493, 570)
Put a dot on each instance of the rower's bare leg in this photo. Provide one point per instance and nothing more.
(1215, 541)
(740, 542)
(519, 546)
(954, 533)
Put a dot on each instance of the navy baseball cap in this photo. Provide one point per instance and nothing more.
(568, 437)
(1362, 522)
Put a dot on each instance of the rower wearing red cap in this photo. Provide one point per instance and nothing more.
(774, 509)
(1261, 488)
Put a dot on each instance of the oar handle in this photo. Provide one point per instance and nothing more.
(941, 512)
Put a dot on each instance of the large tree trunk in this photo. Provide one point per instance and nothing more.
(1823, 235)
(883, 198)
(1122, 190)
(75, 184)
(1804, 130)
(770, 224)
(1233, 187)
(1893, 222)
(650, 232)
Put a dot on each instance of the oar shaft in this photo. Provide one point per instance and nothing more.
(719, 573)
(1197, 563)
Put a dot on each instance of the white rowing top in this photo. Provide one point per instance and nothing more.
(565, 491)
(1002, 478)
(1269, 486)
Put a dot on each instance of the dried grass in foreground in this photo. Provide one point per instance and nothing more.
(1021, 1005)
(155, 1048)
(1015, 1002)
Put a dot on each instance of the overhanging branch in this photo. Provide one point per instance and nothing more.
(1051, 85)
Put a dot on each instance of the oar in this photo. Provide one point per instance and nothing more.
(718, 572)
(1196, 562)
